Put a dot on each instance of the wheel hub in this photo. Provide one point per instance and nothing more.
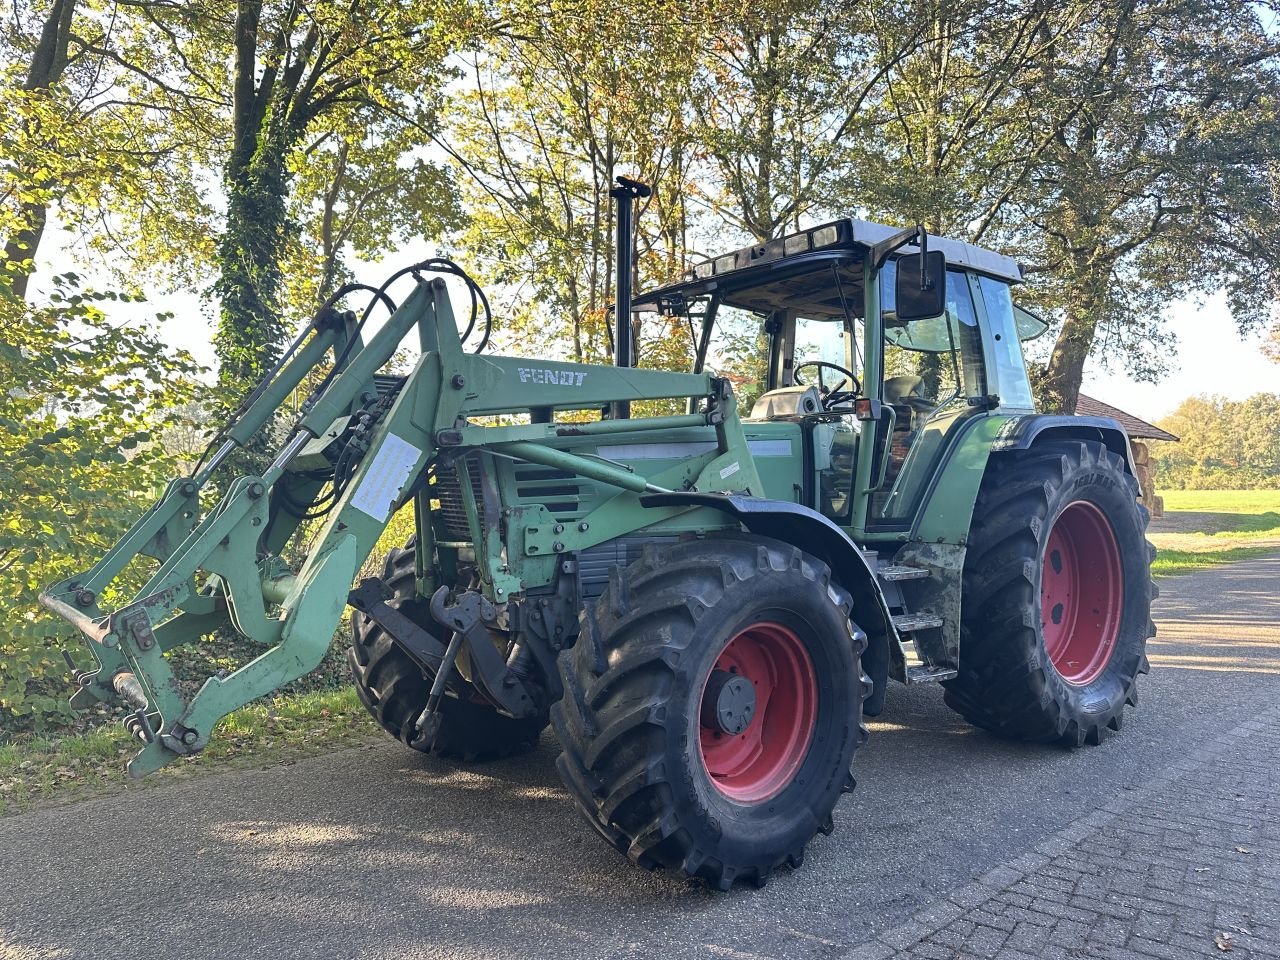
(758, 713)
(1081, 593)
(729, 703)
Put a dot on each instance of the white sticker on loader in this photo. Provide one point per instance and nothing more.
(381, 486)
(729, 471)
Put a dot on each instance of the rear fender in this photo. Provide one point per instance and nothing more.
(1021, 433)
(815, 534)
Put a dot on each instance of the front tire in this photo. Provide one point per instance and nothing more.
(394, 689)
(711, 708)
(1057, 597)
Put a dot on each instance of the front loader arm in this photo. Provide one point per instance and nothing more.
(219, 572)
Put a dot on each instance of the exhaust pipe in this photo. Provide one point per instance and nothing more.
(626, 193)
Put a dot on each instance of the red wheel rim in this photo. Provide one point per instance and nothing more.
(1081, 593)
(758, 763)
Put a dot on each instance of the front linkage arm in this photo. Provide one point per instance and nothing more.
(222, 570)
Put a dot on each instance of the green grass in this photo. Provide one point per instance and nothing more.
(1222, 501)
(1170, 563)
(50, 770)
(1204, 528)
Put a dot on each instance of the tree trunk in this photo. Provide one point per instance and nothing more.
(48, 62)
(21, 249)
(249, 326)
(1060, 388)
(255, 178)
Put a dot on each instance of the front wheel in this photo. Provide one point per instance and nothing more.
(1057, 597)
(711, 708)
(394, 689)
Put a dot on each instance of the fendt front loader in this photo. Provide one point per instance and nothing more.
(703, 605)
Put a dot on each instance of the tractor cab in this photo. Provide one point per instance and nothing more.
(880, 401)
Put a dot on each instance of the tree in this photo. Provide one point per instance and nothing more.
(85, 397)
(781, 95)
(359, 186)
(100, 128)
(1222, 444)
(555, 110)
(294, 67)
(1158, 179)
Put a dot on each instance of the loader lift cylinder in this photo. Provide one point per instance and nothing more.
(626, 193)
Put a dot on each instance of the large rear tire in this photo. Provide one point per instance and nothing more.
(712, 706)
(394, 688)
(1057, 597)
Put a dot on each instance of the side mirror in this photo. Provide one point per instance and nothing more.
(921, 287)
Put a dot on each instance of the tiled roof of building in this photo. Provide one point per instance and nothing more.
(1135, 427)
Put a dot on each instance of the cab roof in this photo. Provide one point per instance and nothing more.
(832, 245)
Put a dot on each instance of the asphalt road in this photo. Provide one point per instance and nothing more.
(379, 852)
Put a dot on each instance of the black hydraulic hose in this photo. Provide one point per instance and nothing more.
(347, 288)
(432, 264)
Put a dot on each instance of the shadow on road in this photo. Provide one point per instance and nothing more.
(378, 852)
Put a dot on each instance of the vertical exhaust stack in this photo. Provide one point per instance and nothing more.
(625, 193)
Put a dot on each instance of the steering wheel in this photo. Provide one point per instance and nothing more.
(835, 395)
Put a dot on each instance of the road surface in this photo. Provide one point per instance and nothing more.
(379, 852)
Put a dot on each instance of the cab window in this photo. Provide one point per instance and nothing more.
(932, 367)
(1006, 335)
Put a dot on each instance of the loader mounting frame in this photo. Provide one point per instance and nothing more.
(222, 570)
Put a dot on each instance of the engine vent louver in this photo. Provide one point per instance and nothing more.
(449, 492)
(566, 496)
(562, 493)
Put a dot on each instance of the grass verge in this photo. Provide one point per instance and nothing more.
(41, 771)
(1170, 563)
(1204, 528)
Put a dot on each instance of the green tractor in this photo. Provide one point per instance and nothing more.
(704, 605)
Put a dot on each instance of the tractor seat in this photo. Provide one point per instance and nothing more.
(907, 392)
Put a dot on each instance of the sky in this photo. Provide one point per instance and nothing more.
(1211, 355)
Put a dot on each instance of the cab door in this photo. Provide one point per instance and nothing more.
(932, 381)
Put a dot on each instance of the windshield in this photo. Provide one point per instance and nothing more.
(739, 351)
(824, 340)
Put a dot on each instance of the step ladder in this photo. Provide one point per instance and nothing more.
(919, 670)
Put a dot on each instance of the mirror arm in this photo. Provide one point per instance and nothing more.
(880, 252)
(922, 240)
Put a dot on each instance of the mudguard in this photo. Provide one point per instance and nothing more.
(816, 534)
(1019, 433)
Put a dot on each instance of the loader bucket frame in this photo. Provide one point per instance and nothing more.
(222, 570)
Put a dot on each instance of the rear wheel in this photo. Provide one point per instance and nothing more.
(1057, 597)
(394, 688)
(711, 707)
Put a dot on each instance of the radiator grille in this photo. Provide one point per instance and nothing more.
(567, 496)
(449, 492)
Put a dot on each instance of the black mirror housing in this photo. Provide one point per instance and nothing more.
(918, 298)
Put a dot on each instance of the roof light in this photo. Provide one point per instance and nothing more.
(796, 243)
(728, 262)
(825, 236)
(703, 269)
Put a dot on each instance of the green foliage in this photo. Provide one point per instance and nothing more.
(1225, 445)
(43, 770)
(105, 126)
(365, 74)
(548, 117)
(84, 398)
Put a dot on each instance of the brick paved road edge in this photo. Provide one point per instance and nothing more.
(1164, 871)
